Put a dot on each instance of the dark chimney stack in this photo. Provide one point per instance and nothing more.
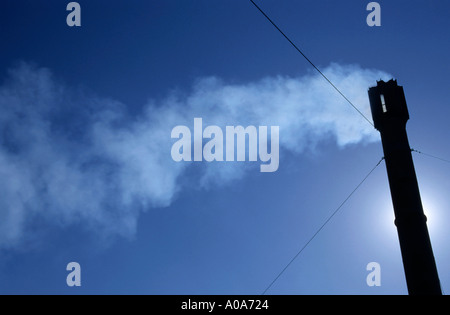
(390, 115)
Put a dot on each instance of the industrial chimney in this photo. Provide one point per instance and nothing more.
(390, 114)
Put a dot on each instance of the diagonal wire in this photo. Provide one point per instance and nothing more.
(432, 156)
(321, 227)
(312, 64)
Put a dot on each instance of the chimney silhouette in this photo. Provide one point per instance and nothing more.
(390, 114)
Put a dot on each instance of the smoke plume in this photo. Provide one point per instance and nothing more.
(67, 157)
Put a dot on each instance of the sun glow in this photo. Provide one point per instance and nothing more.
(432, 211)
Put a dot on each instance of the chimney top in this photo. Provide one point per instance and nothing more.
(388, 105)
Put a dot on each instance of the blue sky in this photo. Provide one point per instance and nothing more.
(85, 145)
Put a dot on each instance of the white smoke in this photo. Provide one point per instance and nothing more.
(69, 158)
